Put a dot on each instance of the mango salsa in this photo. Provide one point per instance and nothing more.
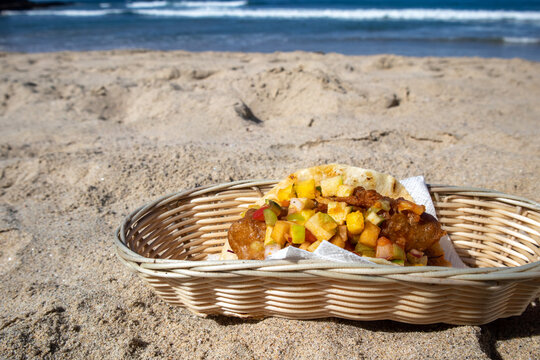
(305, 213)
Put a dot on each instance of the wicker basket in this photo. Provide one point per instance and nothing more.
(167, 243)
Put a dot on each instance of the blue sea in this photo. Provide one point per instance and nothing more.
(482, 28)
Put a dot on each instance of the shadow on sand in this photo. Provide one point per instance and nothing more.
(522, 326)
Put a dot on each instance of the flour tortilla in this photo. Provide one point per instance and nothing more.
(384, 184)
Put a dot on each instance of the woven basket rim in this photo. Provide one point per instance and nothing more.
(153, 266)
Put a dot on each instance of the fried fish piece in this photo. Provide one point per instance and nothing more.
(406, 232)
(246, 237)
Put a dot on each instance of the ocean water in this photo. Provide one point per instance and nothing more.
(482, 28)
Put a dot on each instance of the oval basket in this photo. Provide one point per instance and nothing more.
(168, 242)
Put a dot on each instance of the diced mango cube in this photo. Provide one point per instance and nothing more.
(355, 222)
(281, 229)
(344, 190)
(314, 245)
(322, 226)
(338, 241)
(305, 245)
(342, 231)
(338, 211)
(306, 189)
(307, 214)
(369, 235)
(330, 186)
(286, 193)
(268, 236)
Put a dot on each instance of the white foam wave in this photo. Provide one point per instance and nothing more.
(73, 13)
(357, 14)
(521, 40)
(205, 4)
(280, 13)
(146, 4)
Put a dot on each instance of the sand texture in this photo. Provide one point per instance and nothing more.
(88, 137)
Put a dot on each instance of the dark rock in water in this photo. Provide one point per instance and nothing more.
(28, 5)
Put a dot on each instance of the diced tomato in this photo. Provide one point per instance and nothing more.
(259, 213)
(385, 248)
(382, 241)
(310, 237)
(385, 251)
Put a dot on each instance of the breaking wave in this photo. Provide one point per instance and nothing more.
(234, 9)
(356, 14)
(146, 4)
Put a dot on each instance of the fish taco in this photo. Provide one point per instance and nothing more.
(360, 210)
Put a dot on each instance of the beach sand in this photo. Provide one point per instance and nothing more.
(88, 137)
